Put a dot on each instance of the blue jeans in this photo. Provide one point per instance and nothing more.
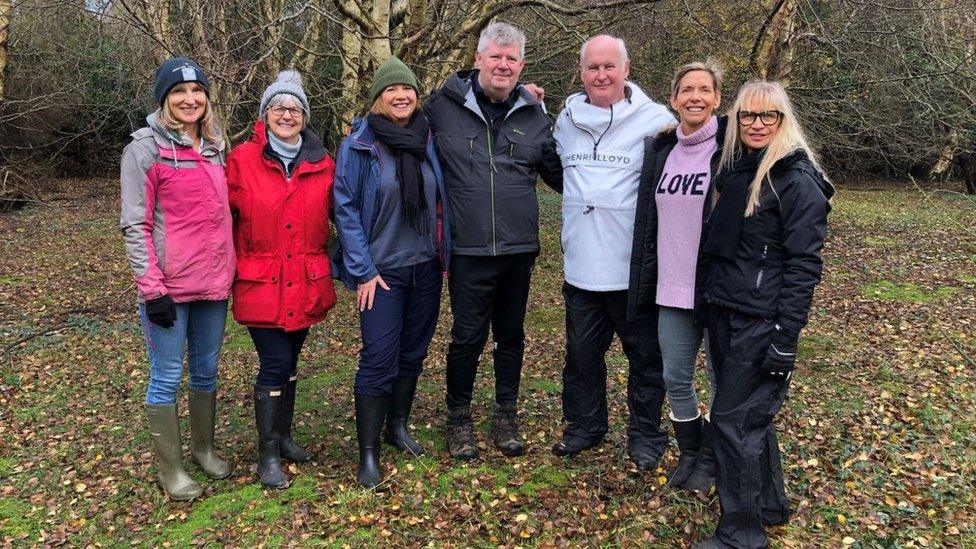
(680, 340)
(397, 330)
(197, 333)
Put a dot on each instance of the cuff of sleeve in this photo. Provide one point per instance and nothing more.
(370, 275)
(784, 339)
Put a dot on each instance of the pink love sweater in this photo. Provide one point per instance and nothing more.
(680, 198)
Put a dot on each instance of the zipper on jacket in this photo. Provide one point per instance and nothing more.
(762, 266)
(491, 180)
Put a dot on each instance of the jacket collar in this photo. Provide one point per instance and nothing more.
(178, 146)
(458, 87)
(312, 149)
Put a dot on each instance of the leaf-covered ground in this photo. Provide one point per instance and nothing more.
(878, 435)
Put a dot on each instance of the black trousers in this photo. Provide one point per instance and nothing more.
(278, 352)
(591, 320)
(749, 472)
(487, 291)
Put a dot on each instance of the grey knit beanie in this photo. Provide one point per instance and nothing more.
(289, 82)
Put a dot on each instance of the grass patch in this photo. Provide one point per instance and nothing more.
(543, 384)
(14, 521)
(886, 290)
(549, 319)
(248, 505)
(966, 278)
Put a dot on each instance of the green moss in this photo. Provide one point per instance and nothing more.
(889, 291)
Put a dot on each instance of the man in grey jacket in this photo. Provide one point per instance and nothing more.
(493, 138)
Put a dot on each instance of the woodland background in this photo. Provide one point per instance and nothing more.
(878, 434)
(887, 89)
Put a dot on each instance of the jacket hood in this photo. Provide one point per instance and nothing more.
(459, 84)
(312, 148)
(168, 138)
(361, 136)
(798, 160)
(636, 103)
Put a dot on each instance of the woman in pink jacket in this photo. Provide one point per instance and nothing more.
(177, 227)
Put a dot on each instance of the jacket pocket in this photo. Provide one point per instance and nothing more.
(257, 297)
(320, 294)
(521, 150)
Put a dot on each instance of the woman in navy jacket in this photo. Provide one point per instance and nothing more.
(393, 233)
(765, 235)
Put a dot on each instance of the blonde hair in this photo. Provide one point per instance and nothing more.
(787, 139)
(711, 66)
(381, 108)
(209, 127)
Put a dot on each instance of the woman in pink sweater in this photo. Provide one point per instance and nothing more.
(672, 207)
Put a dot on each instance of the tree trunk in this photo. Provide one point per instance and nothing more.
(5, 7)
(773, 49)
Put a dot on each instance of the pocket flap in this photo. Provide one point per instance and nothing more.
(257, 269)
(317, 266)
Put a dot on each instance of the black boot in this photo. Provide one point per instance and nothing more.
(398, 414)
(267, 415)
(688, 434)
(370, 414)
(290, 449)
(702, 478)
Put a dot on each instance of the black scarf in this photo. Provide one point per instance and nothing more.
(408, 144)
(726, 220)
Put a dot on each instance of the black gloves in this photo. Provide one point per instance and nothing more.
(781, 354)
(161, 311)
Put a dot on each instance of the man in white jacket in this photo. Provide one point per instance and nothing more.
(599, 137)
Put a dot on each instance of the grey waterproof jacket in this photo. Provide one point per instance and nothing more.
(490, 177)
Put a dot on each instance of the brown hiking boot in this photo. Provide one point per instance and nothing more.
(504, 430)
(460, 434)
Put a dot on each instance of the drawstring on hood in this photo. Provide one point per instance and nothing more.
(171, 138)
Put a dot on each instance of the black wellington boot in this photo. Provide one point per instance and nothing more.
(370, 415)
(702, 478)
(267, 416)
(398, 414)
(290, 449)
(688, 435)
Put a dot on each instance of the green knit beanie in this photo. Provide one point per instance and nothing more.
(392, 71)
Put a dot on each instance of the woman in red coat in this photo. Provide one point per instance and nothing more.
(280, 186)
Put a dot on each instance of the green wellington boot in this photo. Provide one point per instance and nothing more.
(164, 429)
(203, 411)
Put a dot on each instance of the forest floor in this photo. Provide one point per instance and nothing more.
(878, 434)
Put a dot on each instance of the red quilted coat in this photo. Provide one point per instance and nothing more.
(281, 231)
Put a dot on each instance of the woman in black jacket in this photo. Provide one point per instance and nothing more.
(763, 248)
(666, 255)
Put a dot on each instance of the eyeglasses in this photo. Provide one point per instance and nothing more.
(280, 111)
(767, 118)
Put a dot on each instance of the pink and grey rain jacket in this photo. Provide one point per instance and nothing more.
(175, 217)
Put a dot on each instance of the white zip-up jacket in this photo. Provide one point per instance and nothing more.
(602, 153)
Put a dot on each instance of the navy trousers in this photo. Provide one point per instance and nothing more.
(278, 352)
(398, 329)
